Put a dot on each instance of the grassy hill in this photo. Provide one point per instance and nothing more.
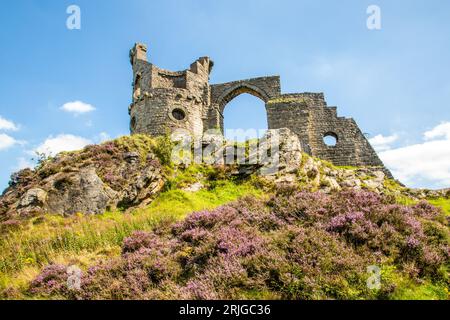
(212, 234)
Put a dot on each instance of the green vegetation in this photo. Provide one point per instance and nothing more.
(347, 167)
(162, 147)
(405, 200)
(404, 288)
(288, 224)
(427, 291)
(83, 240)
(442, 203)
(140, 143)
(294, 245)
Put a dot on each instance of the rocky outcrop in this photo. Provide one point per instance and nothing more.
(125, 173)
(286, 157)
(280, 159)
(82, 191)
(118, 174)
(279, 152)
(429, 194)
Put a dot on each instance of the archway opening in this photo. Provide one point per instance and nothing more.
(245, 118)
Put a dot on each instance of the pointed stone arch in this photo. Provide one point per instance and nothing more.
(264, 88)
(239, 89)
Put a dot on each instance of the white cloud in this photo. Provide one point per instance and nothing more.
(382, 143)
(7, 125)
(23, 163)
(62, 142)
(103, 136)
(77, 107)
(440, 131)
(6, 141)
(424, 164)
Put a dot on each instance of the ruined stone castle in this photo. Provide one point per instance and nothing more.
(165, 100)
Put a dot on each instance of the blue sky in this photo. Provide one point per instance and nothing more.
(393, 81)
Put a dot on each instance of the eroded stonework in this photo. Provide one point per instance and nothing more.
(164, 101)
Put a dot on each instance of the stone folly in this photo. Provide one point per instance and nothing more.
(164, 101)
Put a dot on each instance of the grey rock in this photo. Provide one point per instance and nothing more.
(280, 152)
(351, 183)
(372, 184)
(332, 183)
(379, 176)
(197, 186)
(33, 197)
(83, 192)
(131, 157)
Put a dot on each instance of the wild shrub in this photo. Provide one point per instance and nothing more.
(296, 245)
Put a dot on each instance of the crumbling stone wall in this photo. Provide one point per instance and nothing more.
(311, 119)
(165, 100)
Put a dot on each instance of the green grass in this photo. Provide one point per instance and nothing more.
(392, 185)
(442, 203)
(347, 167)
(405, 200)
(426, 291)
(84, 239)
(407, 289)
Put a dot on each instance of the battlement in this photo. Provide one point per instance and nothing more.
(138, 52)
(166, 100)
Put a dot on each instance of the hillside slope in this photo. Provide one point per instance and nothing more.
(123, 213)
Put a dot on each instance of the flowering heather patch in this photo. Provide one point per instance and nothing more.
(52, 280)
(139, 240)
(296, 245)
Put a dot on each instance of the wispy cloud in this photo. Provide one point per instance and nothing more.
(7, 141)
(102, 137)
(23, 163)
(440, 131)
(383, 143)
(8, 125)
(63, 142)
(426, 163)
(77, 107)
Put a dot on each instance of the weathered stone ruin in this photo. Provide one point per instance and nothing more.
(164, 101)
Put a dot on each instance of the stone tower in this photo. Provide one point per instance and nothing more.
(164, 101)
